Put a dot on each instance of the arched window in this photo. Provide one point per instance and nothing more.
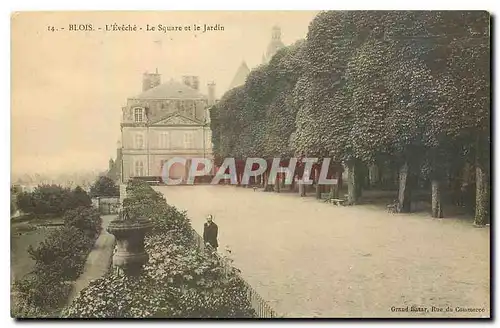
(138, 115)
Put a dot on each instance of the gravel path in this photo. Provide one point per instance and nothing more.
(99, 259)
(312, 259)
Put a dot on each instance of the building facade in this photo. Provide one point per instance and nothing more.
(165, 121)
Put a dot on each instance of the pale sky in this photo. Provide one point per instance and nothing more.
(68, 87)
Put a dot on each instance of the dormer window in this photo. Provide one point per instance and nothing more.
(138, 115)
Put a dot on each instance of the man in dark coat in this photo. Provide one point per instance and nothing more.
(210, 231)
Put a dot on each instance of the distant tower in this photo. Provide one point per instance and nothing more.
(211, 93)
(276, 33)
(274, 45)
(150, 80)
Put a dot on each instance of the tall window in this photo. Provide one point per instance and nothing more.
(139, 169)
(165, 140)
(139, 141)
(138, 114)
(193, 109)
(188, 140)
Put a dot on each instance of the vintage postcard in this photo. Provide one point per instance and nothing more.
(251, 164)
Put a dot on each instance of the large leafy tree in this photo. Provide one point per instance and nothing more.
(325, 119)
(258, 118)
(104, 186)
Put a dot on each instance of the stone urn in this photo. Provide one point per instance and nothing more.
(130, 255)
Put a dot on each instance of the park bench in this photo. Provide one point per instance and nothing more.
(337, 201)
(393, 207)
(327, 197)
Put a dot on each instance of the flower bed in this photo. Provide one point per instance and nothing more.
(179, 281)
(59, 261)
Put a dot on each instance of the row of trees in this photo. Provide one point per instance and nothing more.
(51, 199)
(405, 90)
(55, 199)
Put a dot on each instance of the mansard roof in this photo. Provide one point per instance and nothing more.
(171, 90)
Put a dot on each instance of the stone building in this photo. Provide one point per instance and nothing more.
(164, 121)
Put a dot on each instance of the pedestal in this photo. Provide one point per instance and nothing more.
(130, 255)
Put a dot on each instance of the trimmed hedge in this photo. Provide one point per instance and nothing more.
(179, 281)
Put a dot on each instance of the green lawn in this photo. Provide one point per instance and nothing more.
(23, 233)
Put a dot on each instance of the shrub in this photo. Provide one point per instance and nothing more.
(52, 199)
(104, 186)
(59, 259)
(39, 294)
(25, 202)
(77, 198)
(62, 252)
(85, 219)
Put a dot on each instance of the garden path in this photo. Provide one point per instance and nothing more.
(312, 259)
(99, 259)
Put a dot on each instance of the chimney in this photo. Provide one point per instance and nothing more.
(195, 83)
(187, 80)
(150, 80)
(211, 93)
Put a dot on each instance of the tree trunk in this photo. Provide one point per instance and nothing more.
(437, 201)
(302, 189)
(318, 191)
(374, 176)
(352, 182)
(318, 187)
(339, 180)
(277, 183)
(482, 196)
(404, 194)
(267, 187)
(334, 191)
(360, 176)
